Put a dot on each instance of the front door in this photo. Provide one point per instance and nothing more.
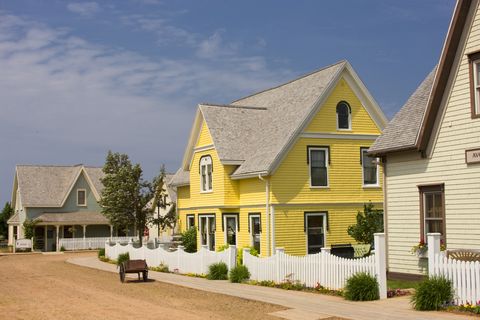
(207, 232)
(315, 233)
(255, 232)
(230, 230)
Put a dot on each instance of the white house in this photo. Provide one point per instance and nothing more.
(431, 152)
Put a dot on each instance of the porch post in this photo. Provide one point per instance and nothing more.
(58, 242)
(111, 232)
(84, 236)
(45, 239)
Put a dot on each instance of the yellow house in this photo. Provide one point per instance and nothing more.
(285, 167)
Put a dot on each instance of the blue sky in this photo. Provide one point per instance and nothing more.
(81, 78)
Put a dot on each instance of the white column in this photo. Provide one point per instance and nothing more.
(381, 263)
(57, 240)
(433, 241)
(10, 235)
(84, 237)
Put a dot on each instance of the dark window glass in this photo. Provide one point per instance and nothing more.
(318, 167)
(343, 115)
(315, 233)
(369, 169)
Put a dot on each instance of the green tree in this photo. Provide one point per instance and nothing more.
(369, 221)
(29, 228)
(126, 194)
(160, 202)
(6, 213)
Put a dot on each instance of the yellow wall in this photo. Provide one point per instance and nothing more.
(204, 139)
(326, 118)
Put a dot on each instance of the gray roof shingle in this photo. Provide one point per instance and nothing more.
(47, 186)
(402, 131)
(73, 217)
(180, 178)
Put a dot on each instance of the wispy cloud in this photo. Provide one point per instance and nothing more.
(85, 9)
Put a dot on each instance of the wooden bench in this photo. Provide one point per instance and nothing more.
(464, 254)
(134, 266)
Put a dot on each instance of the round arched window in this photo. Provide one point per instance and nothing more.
(343, 115)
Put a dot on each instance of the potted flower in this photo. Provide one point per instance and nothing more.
(421, 249)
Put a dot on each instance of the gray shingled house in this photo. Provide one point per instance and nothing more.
(64, 201)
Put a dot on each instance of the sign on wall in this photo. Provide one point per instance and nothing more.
(472, 156)
(23, 244)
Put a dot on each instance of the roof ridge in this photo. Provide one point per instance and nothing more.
(56, 165)
(231, 106)
(296, 79)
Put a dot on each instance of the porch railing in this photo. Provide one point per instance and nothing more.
(88, 243)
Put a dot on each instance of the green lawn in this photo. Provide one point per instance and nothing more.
(401, 284)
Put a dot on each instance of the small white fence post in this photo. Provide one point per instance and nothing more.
(232, 257)
(380, 263)
(278, 253)
(180, 250)
(433, 241)
(323, 271)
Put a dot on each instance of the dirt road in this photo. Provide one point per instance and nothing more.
(46, 287)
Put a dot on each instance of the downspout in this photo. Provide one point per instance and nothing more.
(272, 228)
(267, 212)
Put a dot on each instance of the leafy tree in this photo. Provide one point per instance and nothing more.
(160, 201)
(125, 195)
(369, 221)
(189, 240)
(29, 228)
(6, 213)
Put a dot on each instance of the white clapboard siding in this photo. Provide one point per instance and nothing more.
(456, 133)
(177, 261)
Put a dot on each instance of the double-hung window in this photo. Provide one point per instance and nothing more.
(206, 174)
(369, 168)
(318, 161)
(474, 66)
(432, 210)
(81, 197)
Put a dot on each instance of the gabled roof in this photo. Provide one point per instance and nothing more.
(15, 219)
(416, 107)
(255, 132)
(49, 186)
(401, 133)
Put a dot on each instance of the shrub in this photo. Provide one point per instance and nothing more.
(101, 252)
(239, 274)
(432, 293)
(162, 267)
(189, 240)
(217, 271)
(292, 285)
(122, 258)
(62, 248)
(253, 252)
(362, 287)
(223, 247)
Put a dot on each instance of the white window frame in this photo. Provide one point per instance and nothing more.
(376, 185)
(207, 216)
(327, 157)
(324, 215)
(204, 162)
(250, 224)
(189, 217)
(82, 204)
(425, 219)
(349, 117)
(476, 85)
(225, 237)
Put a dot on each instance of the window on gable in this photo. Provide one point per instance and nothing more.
(318, 160)
(432, 210)
(474, 66)
(206, 173)
(369, 168)
(81, 197)
(343, 116)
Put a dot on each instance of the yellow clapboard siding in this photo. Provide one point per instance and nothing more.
(291, 181)
(326, 118)
(204, 139)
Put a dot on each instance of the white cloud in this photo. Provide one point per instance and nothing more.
(68, 100)
(86, 9)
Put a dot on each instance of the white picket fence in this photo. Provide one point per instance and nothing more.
(177, 261)
(322, 268)
(87, 243)
(464, 275)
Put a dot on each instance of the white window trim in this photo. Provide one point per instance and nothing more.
(324, 227)
(250, 223)
(476, 86)
(376, 185)
(349, 119)
(425, 214)
(225, 216)
(82, 204)
(327, 157)
(208, 227)
(210, 162)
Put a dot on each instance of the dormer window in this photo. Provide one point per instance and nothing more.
(344, 112)
(81, 197)
(206, 174)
